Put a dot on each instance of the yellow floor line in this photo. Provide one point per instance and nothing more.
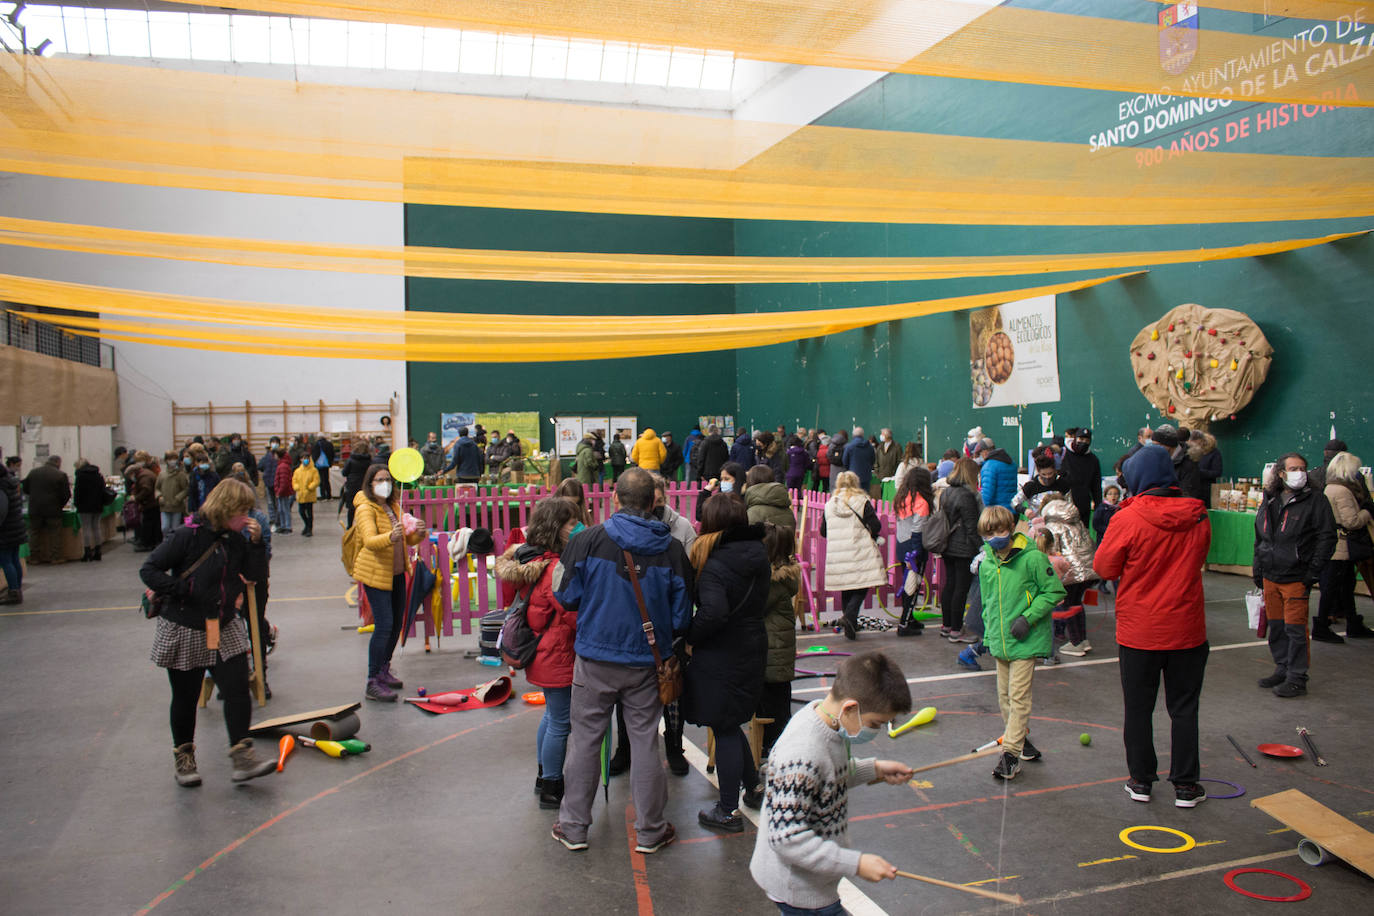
(990, 881)
(1105, 861)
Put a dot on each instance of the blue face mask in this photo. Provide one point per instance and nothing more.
(205, 467)
(186, 461)
(1001, 542)
(865, 734)
(727, 486)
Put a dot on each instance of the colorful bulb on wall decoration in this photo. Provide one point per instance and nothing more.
(1215, 364)
(1154, 335)
(1234, 365)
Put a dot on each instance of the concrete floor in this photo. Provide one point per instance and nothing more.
(440, 818)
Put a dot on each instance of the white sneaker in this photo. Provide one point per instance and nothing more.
(1070, 649)
(1085, 646)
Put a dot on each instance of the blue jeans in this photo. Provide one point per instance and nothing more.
(835, 909)
(284, 504)
(388, 612)
(9, 563)
(551, 741)
(171, 521)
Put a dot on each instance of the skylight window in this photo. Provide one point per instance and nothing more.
(252, 39)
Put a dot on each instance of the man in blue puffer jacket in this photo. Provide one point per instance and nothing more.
(615, 662)
(998, 477)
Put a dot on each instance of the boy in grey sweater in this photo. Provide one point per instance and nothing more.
(802, 848)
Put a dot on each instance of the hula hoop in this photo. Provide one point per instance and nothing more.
(1230, 879)
(1125, 837)
(1240, 790)
(800, 673)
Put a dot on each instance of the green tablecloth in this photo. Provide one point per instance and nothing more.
(1233, 538)
(72, 521)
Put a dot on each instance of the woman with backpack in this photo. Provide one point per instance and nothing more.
(961, 504)
(914, 503)
(729, 649)
(530, 567)
(853, 563)
(380, 566)
(199, 573)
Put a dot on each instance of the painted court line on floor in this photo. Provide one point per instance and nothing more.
(299, 806)
(855, 901)
(1060, 667)
(134, 607)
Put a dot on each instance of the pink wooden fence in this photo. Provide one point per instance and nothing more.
(446, 510)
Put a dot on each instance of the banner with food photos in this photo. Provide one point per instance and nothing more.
(1014, 354)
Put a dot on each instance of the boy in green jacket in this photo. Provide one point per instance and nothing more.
(1020, 589)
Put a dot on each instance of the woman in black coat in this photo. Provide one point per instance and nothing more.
(729, 646)
(358, 461)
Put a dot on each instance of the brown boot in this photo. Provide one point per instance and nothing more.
(247, 764)
(186, 773)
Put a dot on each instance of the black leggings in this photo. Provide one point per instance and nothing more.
(1075, 628)
(851, 602)
(734, 766)
(231, 677)
(775, 704)
(307, 511)
(954, 595)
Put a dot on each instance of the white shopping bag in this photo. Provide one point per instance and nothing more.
(1254, 606)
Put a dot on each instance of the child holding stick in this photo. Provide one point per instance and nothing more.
(1019, 589)
(802, 848)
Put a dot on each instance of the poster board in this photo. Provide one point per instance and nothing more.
(1014, 353)
(450, 423)
(725, 422)
(601, 426)
(567, 433)
(524, 422)
(627, 428)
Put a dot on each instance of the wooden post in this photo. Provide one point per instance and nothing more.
(358, 417)
(258, 682)
(283, 422)
(248, 425)
(322, 415)
(210, 412)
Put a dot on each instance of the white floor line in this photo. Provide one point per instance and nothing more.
(855, 901)
(993, 672)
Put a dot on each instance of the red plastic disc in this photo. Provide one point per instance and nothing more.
(1303, 894)
(1279, 750)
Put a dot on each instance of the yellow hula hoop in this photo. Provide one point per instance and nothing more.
(1188, 842)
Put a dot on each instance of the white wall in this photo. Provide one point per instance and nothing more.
(151, 377)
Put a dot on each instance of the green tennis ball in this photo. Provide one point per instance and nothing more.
(1085, 739)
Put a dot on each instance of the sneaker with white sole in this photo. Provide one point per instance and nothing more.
(1188, 794)
(649, 849)
(1030, 751)
(1070, 649)
(1008, 765)
(1085, 646)
(560, 836)
(1139, 791)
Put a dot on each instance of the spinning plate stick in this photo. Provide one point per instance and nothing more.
(992, 895)
(962, 758)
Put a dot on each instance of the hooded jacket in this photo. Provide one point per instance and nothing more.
(172, 486)
(743, 453)
(649, 451)
(1293, 541)
(729, 641)
(305, 481)
(769, 502)
(88, 490)
(281, 484)
(587, 462)
(591, 581)
(681, 529)
(466, 458)
(1021, 585)
(13, 531)
(1071, 539)
(780, 621)
(852, 558)
(1156, 545)
(997, 479)
(858, 457)
(709, 455)
(144, 489)
(961, 507)
(525, 567)
(798, 463)
(616, 452)
(267, 470)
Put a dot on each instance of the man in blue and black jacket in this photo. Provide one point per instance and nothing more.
(615, 662)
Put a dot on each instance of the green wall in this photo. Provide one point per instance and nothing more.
(1312, 305)
(663, 392)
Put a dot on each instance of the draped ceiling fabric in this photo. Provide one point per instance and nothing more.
(593, 267)
(1003, 43)
(217, 324)
(109, 122)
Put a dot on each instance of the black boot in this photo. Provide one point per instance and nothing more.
(1355, 628)
(96, 555)
(86, 555)
(909, 626)
(672, 747)
(551, 796)
(1322, 632)
(539, 780)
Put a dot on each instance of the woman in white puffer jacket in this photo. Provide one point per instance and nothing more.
(853, 561)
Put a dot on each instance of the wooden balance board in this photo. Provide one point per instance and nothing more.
(1314, 821)
(330, 723)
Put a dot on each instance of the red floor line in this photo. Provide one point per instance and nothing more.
(970, 712)
(977, 801)
(185, 879)
(643, 898)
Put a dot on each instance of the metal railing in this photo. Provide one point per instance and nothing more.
(50, 340)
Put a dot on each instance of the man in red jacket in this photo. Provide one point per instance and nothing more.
(1157, 544)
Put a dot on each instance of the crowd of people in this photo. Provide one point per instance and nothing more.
(617, 605)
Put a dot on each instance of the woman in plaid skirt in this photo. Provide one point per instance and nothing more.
(199, 574)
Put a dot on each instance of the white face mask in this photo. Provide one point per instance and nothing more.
(1296, 480)
(382, 489)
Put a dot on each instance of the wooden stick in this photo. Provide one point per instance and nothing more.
(992, 895)
(1241, 750)
(964, 758)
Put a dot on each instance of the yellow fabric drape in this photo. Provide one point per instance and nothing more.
(1007, 44)
(82, 119)
(1297, 9)
(215, 324)
(591, 267)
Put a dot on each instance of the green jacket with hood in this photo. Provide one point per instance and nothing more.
(769, 502)
(1023, 584)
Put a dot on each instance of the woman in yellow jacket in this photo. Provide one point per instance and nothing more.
(305, 480)
(649, 452)
(381, 568)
